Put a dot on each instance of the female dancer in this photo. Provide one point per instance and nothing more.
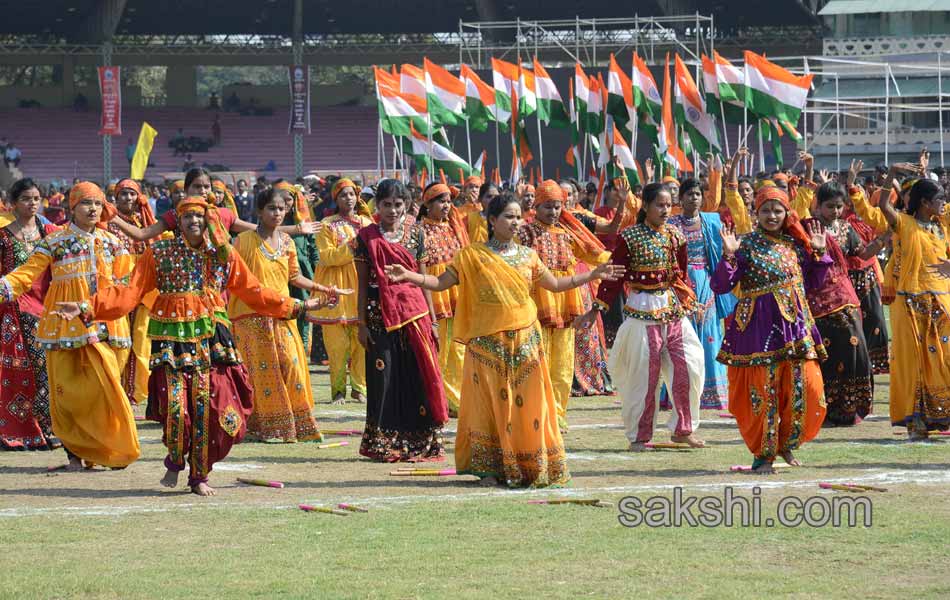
(24, 398)
(920, 316)
(336, 269)
(849, 383)
(445, 235)
(198, 380)
(655, 343)
(84, 358)
(406, 406)
(507, 427)
(772, 346)
(703, 252)
(272, 348)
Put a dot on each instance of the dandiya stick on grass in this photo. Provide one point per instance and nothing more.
(423, 473)
(667, 446)
(341, 432)
(869, 488)
(332, 445)
(261, 482)
(351, 508)
(850, 487)
(581, 501)
(744, 468)
(321, 509)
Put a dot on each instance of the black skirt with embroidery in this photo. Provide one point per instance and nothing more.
(398, 425)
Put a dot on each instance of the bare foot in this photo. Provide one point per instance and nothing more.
(203, 489)
(639, 447)
(358, 397)
(790, 459)
(488, 481)
(766, 469)
(170, 479)
(339, 400)
(692, 440)
(75, 464)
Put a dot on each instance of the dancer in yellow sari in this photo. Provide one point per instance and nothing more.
(920, 316)
(507, 427)
(272, 348)
(89, 408)
(336, 268)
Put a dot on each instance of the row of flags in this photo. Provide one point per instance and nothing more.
(416, 103)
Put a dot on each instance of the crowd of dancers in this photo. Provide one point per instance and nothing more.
(765, 296)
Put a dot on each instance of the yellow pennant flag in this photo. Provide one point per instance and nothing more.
(142, 149)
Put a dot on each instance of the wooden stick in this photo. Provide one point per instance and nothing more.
(332, 445)
(424, 473)
(667, 446)
(583, 502)
(351, 508)
(870, 488)
(320, 509)
(744, 468)
(261, 482)
(341, 431)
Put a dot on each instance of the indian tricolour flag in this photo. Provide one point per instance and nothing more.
(441, 158)
(621, 150)
(582, 94)
(723, 84)
(527, 96)
(593, 117)
(412, 81)
(551, 108)
(620, 96)
(772, 91)
(445, 95)
(398, 112)
(504, 77)
(670, 150)
(480, 104)
(646, 98)
(690, 111)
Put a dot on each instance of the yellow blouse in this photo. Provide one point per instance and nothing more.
(336, 268)
(81, 264)
(273, 267)
(915, 248)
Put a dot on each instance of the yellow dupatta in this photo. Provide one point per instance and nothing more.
(493, 295)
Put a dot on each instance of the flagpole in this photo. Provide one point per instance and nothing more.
(497, 151)
(540, 147)
(379, 145)
(758, 131)
(468, 141)
(725, 132)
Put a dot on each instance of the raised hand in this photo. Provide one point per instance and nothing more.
(730, 241)
(609, 272)
(823, 176)
(648, 167)
(310, 227)
(817, 234)
(924, 160)
(857, 165)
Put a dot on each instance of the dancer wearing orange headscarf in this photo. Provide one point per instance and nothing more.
(84, 357)
(199, 387)
(561, 242)
(772, 346)
(133, 207)
(445, 236)
(336, 269)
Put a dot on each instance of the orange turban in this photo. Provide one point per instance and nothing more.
(87, 189)
(340, 185)
(792, 225)
(670, 179)
(301, 208)
(228, 202)
(454, 192)
(548, 191)
(473, 180)
(145, 209)
(177, 186)
(530, 189)
(216, 233)
(434, 191)
(780, 177)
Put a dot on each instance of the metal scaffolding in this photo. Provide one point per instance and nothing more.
(587, 41)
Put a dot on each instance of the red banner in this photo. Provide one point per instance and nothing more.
(299, 99)
(110, 89)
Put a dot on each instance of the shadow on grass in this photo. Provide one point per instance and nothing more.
(92, 493)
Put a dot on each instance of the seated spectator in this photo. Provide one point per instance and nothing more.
(189, 164)
(270, 166)
(12, 155)
(213, 102)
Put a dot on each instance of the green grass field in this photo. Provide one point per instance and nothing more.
(118, 534)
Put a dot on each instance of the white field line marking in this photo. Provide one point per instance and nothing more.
(224, 466)
(870, 476)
